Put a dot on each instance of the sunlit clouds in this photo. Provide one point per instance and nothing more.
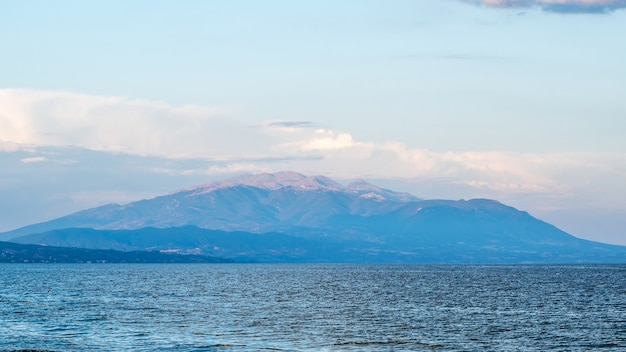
(119, 125)
(114, 124)
(95, 150)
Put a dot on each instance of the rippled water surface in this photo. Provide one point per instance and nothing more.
(207, 307)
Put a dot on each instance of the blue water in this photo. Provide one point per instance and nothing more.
(228, 307)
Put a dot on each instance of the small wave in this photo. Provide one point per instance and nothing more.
(388, 343)
(221, 346)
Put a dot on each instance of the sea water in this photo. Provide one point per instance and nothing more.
(250, 307)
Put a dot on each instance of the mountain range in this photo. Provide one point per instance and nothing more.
(290, 217)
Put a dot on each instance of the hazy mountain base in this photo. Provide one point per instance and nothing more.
(276, 247)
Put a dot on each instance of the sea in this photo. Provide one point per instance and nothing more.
(294, 307)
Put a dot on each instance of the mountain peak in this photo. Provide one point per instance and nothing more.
(298, 181)
(285, 179)
(273, 181)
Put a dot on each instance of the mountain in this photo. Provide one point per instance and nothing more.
(259, 203)
(291, 217)
(25, 253)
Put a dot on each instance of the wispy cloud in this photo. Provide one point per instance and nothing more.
(35, 159)
(561, 6)
(291, 124)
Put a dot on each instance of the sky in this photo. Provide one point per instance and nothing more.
(521, 101)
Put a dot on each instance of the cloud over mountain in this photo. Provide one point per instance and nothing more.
(33, 119)
(80, 138)
(562, 6)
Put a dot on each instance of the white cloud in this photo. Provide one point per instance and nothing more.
(34, 159)
(323, 140)
(111, 123)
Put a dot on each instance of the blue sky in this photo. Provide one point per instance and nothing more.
(521, 101)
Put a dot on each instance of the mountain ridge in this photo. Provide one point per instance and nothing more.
(297, 181)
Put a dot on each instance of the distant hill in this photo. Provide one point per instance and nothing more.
(24, 253)
(291, 217)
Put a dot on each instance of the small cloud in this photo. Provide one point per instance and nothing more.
(36, 159)
(236, 168)
(559, 6)
(291, 124)
(40, 159)
(328, 140)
